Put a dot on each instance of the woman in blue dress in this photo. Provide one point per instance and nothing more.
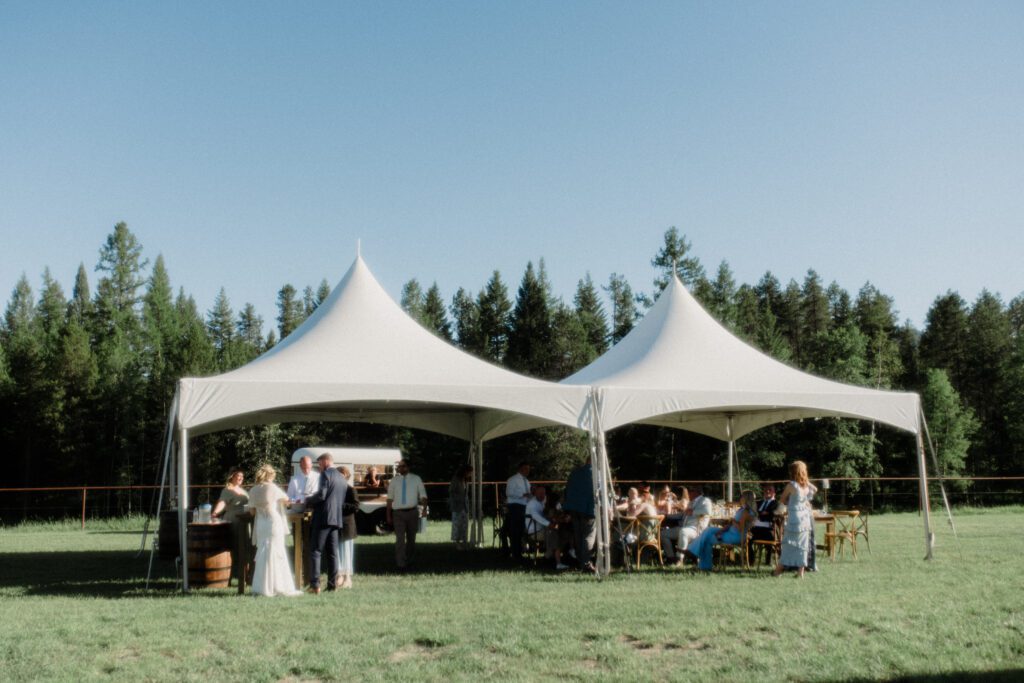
(796, 535)
(744, 518)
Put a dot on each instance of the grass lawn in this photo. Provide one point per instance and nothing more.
(73, 607)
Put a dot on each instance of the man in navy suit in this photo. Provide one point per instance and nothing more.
(328, 518)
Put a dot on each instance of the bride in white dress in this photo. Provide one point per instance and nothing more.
(272, 574)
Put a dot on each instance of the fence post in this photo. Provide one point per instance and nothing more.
(84, 490)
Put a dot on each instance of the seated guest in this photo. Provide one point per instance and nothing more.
(744, 518)
(698, 516)
(647, 507)
(372, 479)
(665, 501)
(764, 527)
(629, 507)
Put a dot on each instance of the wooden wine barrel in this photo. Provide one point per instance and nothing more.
(209, 555)
(167, 543)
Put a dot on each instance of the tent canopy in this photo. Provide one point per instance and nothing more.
(359, 357)
(679, 367)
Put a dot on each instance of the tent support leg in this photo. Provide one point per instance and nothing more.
(183, 506)
(473, 493)
(929, 535)
(478, 469)
(732, 456)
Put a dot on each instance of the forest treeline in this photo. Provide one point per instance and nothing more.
(86, 379)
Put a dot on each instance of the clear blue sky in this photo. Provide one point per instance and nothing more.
(253, 143)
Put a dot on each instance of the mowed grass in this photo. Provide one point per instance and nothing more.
(73, 606)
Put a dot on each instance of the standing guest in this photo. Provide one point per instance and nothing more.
(764, 527)
(517, 494)
(579, 503)
(304, 483)
(347, 536)
(302, 486)
(796, 535)
(231, 508)
(272, 575)
(406, 495)
(458, 504)
(697, 518)
(328, 519)
(744, 518)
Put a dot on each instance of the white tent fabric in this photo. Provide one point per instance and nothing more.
(681, 368)
(359, 357)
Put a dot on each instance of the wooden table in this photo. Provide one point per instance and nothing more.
(300, 526)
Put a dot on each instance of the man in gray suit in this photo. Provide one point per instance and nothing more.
(328, 518)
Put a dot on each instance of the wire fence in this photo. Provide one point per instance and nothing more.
(878, 494)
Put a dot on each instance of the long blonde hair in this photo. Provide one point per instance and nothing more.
(798, 471)
(264, 474)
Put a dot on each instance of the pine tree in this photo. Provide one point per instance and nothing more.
(529, 337)
(571, 345)
(220, 328)
(494, 310)
(748, 313)
(435, 317)
(769, 293)
(790, 320)
(119, 354)
(80, 307)
(944, 339)
(672, 256)
(249, 329)
(592, 318)
(950, 423)
(22, 340)
(309, 302)
(624, 312)
(194, 355)
(815, 315)
(289, 311)
(467, 322)
(839, 305)
(412, 300)
(721, 300)
(322, 292)
(989, 352)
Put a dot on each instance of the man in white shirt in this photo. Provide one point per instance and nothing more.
(517, 494)
(303, 484)
(697, 519)
(406, 494)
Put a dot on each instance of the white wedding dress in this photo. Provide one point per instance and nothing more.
(272, 574)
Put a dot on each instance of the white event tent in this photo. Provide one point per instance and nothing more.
(360, 358)
(679, 367)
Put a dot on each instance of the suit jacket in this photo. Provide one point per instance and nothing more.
(767, 514)
(328, 502)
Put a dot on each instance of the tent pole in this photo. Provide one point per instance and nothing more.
(929, 535)
(939, 475)
(473, 539)
(183, 506)
(479, 469)
(732, 453)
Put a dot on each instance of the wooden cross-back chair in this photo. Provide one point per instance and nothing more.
(647, 529)
(843, 533)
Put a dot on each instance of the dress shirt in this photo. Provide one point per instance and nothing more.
(405, 491)
(517, 490)
(702, 507)
(302, 486)
(535, 511)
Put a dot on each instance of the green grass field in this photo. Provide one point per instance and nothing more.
(73, 606)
